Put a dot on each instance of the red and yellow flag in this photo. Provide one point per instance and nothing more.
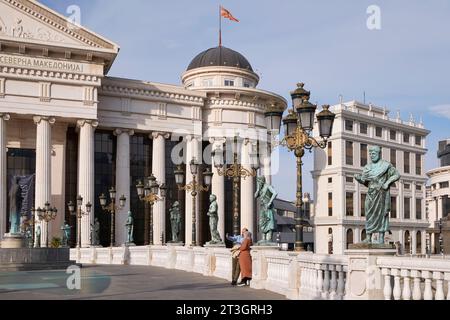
(227, 14)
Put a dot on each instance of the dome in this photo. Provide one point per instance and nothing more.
(220, 56)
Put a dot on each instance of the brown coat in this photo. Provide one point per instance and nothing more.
(245, 259)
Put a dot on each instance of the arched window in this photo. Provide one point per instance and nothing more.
(363, 235)
(407, 242)
(349, 237)
(419, 242)
(330, 241)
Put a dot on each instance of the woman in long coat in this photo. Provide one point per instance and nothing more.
(245, 260)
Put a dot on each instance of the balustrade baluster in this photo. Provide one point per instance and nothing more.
(417, 292)
(319, 283)
(447, 278)
(397, 288)
(387, 291)
(341, 284)
(326, 282)
(428, 293)
(333, 283)
(439, 286)
(406, 294)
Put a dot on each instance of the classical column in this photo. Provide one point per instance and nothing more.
(192, 151)
(247, 188)
(440, 208)
(159, 171)
(86, 178)
(3, 174)
(266, 162)
(122, 181)
(413, 204)
(43, 168)
(218, 186)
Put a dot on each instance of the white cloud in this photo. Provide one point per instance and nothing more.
(443, 110)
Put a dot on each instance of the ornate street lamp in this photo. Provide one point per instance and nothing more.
(79, 214)
(194, 187)
(298, 125)
(111, 209)
(149, 194)
(441, 239)
(46, 214)
(235, 172)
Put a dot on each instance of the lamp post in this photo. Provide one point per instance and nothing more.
(79, 214)
(111, 208)
(149, 194)
(194, 187)
(46, 214)
(235, 172)
(298, 125)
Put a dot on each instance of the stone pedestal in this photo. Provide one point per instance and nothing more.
(24, 259)
(215, 245)
(259, 265)
(175, 244)
(364, 279)
(13, 241)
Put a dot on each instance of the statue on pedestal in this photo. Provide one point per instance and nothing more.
(37, 240)
(66, 234)
(15, 202)
(213, 220)
(267, 225)
(378, 177)
(175, 221)
(95, 233)
(130, 228)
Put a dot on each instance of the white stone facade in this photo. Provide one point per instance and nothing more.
(339, 203)
(53, 77)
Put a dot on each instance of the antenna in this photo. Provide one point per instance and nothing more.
(364, 97)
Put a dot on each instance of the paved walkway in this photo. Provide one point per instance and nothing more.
(124, 283)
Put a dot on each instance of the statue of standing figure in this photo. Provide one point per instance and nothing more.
(15, 202)
(95, 233)
(213, 221)
(175, 221)
(130, 228)
(378, 177)
(37, 240)
(66, 234)
(267, 225)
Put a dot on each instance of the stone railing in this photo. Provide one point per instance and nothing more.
(416, 279)
(301, 276)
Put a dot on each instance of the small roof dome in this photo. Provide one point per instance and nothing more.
(220, 56)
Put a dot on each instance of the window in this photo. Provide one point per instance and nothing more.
(190, 84)
(349, 237)
(330, 204)
(394, 157)
(330, 153)
(407, 186)
(349, 203)
(407, 208)
(363, 154)
(406, 137)
(393, 135)
(419, 209)
(349, 179)
(363, 235)
(330, 180)
(418, 140)
(207, 82)
(349, 153)
(379, 132)
(406, 167)
(418, 164)
(349, 125)
(443, 185)
(363, 128)
(393, 207)
(246, 84)
(363, 204)
(229, 83)
(418, 187)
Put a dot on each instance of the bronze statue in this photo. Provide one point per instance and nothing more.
(267, 194)
(15, 202)
(213, 220)
(129, 224)
(378, 177)
(175, 221)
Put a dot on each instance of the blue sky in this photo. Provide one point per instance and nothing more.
(326, 44)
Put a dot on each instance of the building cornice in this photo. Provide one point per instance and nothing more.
(438, 171)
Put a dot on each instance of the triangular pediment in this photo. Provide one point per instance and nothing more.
(25, 20)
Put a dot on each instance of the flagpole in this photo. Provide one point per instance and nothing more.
(220, 26)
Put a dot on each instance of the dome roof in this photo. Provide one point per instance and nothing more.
(220, 56)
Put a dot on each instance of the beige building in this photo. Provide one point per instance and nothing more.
(339, 210)
(78, 131)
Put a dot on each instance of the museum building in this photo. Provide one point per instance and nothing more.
(69, 129)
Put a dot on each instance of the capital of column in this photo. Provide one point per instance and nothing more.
(217, 142)
(81, 123)
(252, 142)
(39, 119)
(190, 138)
(5, 116)
(156, 134)
(118, 132)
